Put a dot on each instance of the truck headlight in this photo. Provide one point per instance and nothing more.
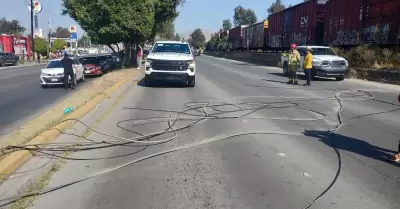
(317, 63)
(190, 62)
(346, 63)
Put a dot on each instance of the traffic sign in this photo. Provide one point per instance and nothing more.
(73, 36)
(72, 29)
(37, 7)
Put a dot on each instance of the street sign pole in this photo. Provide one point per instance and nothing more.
(32, 39)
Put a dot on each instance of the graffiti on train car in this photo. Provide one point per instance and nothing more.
(299, 39)
(276, 41)
(378, 34)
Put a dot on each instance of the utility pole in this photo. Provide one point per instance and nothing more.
(49, 38)
(32, 38)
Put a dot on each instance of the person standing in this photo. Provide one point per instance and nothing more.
(68, 71)
(307, 66)
(38, 57)
(293, 64)
(139, 56)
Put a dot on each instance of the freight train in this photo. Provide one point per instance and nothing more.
(343, 23)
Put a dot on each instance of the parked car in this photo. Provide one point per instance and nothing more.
(108, 63)
(326, 63)
(91, 65)
(53, 73)
(8, 59)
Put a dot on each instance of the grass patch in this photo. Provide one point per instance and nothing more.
(43, 180)
(370, 56)
(53, 116)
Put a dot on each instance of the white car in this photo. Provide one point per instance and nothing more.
(53, 73)
(326, 63)
(170, 60)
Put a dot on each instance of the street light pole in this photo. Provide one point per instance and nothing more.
(32, 39)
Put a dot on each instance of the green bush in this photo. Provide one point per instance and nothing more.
(368, 56)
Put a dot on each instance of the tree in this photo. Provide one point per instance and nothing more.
(226, 24)
(12, 27)
(58, 44)
(61, 32)
(168, 31)
(276, 7)
(112, 22)
(40, 46)
(84, 41)
(197, 38)
(177, 37)
(164, 11)
(244, 16)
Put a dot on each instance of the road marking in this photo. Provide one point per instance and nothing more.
(305, 174)
(281, 154)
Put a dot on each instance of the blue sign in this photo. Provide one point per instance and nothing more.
(73, 36)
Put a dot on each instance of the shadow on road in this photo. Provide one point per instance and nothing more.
(162, 84)
(353, 145)
(302, 77)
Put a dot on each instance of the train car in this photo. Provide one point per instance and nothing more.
(223, 34)
(235, 37)
(255, 37)
(302, 24)
(350, 23)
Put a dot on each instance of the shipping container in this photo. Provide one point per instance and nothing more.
(302, 24)
(255, 37)
(275, 30)
(235, 37)
(350, 23)
(381, 22)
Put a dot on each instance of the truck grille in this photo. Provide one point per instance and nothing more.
(338, 63)
(167, 65)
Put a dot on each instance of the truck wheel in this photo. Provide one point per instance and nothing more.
(16, 63)
(192, 82)
(340, 78)
(147, 82)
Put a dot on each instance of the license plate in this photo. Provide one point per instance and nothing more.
(54, 80)
(87, 71)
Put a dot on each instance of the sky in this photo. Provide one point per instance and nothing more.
(205, 14)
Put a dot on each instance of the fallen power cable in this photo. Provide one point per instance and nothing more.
(198, 112)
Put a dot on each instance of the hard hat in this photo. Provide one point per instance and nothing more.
(308, 48)
(293, 46)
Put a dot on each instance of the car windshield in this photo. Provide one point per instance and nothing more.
(171, 47)
(89, 60)
(55, 64)
(322, 51)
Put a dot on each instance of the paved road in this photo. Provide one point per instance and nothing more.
(248, 171)
(21, 96)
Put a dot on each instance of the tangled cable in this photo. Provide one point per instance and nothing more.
(196, 113)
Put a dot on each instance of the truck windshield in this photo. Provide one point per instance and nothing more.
(55, 64)
(171, 47)
(322, 51)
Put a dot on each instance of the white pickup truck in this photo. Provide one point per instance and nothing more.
(326, 63)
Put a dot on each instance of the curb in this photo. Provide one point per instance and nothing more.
(16, 159)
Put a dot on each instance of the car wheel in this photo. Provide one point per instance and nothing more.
(16, 63)
(192, 82)
(3, 64)
(285, 69)
(340, 78)
(44, 86)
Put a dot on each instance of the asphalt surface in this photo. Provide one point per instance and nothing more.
(21, 96)
(247, 171)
